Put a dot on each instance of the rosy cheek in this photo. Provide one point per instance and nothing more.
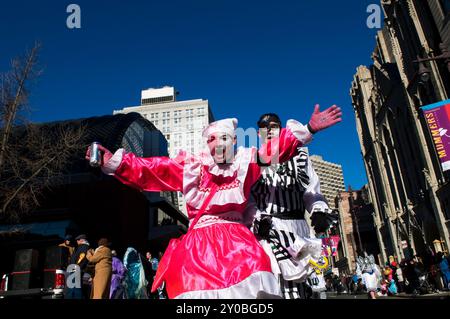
(211, 146)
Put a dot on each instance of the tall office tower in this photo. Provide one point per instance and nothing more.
(331, 178)
(181, 122)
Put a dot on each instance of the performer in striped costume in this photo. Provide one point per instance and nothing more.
(281, 196)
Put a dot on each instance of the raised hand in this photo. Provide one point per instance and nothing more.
(322, 120)
(106, 154)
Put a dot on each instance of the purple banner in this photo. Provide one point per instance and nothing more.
(437, 117)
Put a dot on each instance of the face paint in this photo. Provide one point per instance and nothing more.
(268, 130)
(221, 147)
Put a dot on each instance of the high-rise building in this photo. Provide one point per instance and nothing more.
(409, 190)
(330, 176)
(181, 122)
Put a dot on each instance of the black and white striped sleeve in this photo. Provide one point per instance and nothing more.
(313, 198)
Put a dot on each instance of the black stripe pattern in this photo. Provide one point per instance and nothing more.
(279, 193)
(281, 187)
(292, 289)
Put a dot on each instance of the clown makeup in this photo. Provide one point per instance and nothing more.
(268, 130)
(221, 147)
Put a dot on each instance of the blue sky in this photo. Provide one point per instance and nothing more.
(245, 57)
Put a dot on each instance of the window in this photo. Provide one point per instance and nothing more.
(189, 112)
(156, 100)
(165, 114)
(177, 113)
(176, 121)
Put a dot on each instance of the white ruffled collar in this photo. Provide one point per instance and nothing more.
(224, 170)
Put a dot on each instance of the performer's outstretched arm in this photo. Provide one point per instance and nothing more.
(149, 174)
(282, 148)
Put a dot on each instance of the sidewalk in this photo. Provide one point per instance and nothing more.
(440, 295)
(437, 295)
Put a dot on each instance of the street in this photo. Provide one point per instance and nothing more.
(440, 295)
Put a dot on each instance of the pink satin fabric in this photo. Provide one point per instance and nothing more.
(210, 258)
(151, 174)
(279, 149)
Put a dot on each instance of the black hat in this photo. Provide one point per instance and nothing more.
(82, 236)
(68, 237)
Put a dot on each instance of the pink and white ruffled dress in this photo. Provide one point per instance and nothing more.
(219, 257)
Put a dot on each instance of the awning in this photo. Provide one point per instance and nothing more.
(55, 228)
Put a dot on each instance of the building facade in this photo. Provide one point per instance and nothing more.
(330, 176)
(181, 122)
(356, 228)
(407, 186)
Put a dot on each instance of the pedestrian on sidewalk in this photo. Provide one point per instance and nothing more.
(118, 275)
(370, 274)
(400, 280)
(445, 269)
(135, 279)
(102, 259)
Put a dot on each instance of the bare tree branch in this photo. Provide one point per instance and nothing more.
(21, 73)
(32, 157)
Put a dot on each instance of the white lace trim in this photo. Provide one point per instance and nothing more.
(114, 162)
(230, 194)
(261, 285)
(225, 170)
(228, 217)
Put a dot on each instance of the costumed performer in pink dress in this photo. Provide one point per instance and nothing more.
(219, 257)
